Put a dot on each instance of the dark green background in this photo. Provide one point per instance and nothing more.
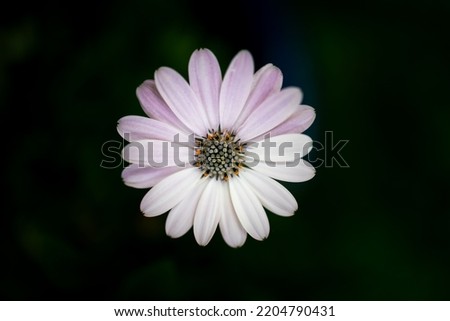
(377, 75)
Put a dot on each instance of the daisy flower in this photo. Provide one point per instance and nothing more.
(211, 149)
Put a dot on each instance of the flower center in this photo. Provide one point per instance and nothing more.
(219, 155)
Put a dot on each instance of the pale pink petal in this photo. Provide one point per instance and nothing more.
(208, 211)
(232, 231)
(157, 153)
(205, 79)
(296, 171)
(273, 196)
(282, 148)
(272, 112)
(181, 217)
(146, 177)
(248, 209)
(169, 192)
(181, 99)
(266, 81)
(298, 122)
(155, 107)
(134, 128)
(235, 88)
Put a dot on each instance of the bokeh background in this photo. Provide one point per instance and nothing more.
(377, 74)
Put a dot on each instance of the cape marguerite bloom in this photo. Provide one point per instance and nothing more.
(212, 149)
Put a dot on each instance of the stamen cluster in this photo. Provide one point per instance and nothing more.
(219, 155)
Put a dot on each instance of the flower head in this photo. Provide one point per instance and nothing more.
(212, 149)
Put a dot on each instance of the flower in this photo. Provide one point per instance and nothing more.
(212, 149)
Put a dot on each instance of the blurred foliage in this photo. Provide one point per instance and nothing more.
(377, 75)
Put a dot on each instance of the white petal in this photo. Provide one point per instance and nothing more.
(146, 177)
(235, 88)
(134, 128)
(272, 112)
(273, 196)
(205, 79)
(181, 217)
(283, 148)
(181, 99)
(232, 231)
(266, 81)
(169, 192)
(297, 171)
(157, 153)
(208, 211)
(298, 122)
(155, 106)
(248, 209)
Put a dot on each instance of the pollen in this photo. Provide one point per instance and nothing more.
(219, 155)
